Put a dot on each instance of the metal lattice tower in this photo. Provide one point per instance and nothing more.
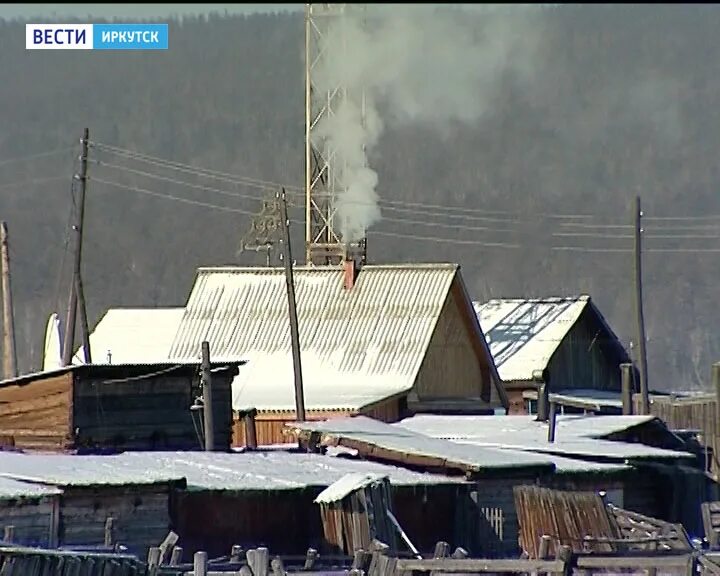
(323, 242)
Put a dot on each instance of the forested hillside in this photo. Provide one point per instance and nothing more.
(623, 102)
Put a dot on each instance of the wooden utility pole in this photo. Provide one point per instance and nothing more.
(642, 352)
(209, 425)
(626, 379)
(77, 295)
(9, 351)
(294, 332)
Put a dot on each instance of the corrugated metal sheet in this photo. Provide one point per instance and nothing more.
(358, 346)
(10, 488)
(266, 470)
(400, 445)
(576, 435)
(133, 335)
(524, 334)
(347, 485)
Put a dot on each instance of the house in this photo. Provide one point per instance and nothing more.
(113, 407)
(132, 336)
(564, 341)
(664, 479)
(92, 489)
(493, 453)
(377, 341)
(215, 500)
(32, 511)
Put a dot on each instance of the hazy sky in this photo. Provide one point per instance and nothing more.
(134, 11)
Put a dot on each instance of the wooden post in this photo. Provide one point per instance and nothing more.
(460, 553)
(176, 556)
(626, 378)
(544, 548)
(310, 558)
(207, 398)
(551, 422)
(153, 560)
(642, 352)
(277, 566)
(200, 564)
(236, 554)
(716, 387)
(441, 549)
(9, 351)
(9, 533)
(77, 296)
(542, 403)
(250, 430)
(109, 529)
(294, 329)
(565, 554)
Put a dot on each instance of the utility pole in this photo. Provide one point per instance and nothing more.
(77, 295)
(209, 425)
(9, 352)
(294, 332)
(642, 351)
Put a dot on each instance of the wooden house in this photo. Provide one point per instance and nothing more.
(380, 342)
(565, 342)
(113, 407)
(90, 489)
(31, 510)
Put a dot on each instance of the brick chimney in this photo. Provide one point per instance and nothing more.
(350, 272)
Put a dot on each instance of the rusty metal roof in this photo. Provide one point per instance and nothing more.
(359, 346)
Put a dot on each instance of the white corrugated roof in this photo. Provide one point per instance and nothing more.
(523, 334)
(262, 470)
(10, 488)
(346, 486)
(133, 336)
(575, 435)
(358, 346)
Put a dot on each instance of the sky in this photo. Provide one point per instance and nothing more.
(134, 11)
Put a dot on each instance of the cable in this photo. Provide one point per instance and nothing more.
(449, 240)
(180, 182)
(171, 197)
(144, 376)
(591, 235)
(33, 182)
(38, 155)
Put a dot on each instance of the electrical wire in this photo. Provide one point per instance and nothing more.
(33, 181)
(171, 197)
(34, 156)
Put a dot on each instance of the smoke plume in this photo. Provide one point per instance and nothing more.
(416, 64)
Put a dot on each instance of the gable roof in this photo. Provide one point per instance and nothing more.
(359, 346)
(523, 334)
(133, 335)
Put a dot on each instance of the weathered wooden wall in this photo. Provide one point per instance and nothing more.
(141, 515)
(285, 521)
(34, 519)
(454, 365)
(270, 426)
(36, 414)
(694, 413)
(151, 413)
(586, 359)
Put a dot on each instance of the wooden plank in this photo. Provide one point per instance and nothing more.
(637, 562)
(480, 565)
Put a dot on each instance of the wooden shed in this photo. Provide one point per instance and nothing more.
(32, 510)
(400, 337)
(113, 407)
(566, 340)
(94, 488)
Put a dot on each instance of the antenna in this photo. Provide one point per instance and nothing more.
(323, 242)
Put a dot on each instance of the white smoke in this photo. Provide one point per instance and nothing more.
(421, 64)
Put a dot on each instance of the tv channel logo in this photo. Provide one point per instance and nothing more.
(96, 36)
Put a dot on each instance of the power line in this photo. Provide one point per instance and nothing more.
(171, 197)
(33, 181)
(34, 156)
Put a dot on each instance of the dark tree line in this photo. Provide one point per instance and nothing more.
(623, 102)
